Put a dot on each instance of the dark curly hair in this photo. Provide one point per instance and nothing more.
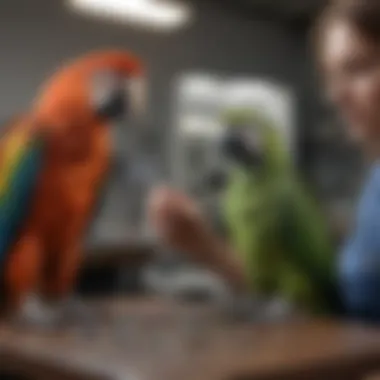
(363, 15)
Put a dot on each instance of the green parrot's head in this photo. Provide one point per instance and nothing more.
(253, 142)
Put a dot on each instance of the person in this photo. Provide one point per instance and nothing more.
(347, 43)
(347, 39)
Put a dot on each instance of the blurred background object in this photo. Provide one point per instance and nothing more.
(144, 13)
(198, 56)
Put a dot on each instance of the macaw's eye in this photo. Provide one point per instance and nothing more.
(108, 95)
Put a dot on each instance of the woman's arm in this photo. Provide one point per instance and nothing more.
(359, 262)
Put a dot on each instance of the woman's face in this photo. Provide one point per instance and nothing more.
(351, 68)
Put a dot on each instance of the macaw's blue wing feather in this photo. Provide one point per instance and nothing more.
(21, 157)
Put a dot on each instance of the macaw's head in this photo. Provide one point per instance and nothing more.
(100, 87)
(101, 90)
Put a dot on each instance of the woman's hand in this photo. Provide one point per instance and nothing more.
(179, 222)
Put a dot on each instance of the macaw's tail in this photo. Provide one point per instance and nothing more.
(21, 158)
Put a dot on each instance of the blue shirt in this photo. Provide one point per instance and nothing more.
(359, 264)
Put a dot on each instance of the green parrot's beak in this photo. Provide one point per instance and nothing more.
(215, 180)
(242, 148)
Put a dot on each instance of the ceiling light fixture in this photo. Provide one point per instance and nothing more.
(155, 14)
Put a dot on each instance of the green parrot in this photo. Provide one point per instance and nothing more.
(272, 220)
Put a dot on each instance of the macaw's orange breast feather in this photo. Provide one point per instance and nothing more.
(67, 91)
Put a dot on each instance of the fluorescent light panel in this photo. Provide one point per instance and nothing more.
(164, 15)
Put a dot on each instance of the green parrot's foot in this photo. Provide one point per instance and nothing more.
(253, 309)
(243, 308)
(278, 310)
(35, 314)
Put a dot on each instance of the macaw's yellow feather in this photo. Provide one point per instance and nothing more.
(13, 148)
(21, 158)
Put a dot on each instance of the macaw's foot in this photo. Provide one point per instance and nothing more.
(35, 314)
(70, 313)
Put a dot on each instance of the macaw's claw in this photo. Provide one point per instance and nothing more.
(35, 314)
(65, 314)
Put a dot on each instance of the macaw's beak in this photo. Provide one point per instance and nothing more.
(242, 150)
(117, 98)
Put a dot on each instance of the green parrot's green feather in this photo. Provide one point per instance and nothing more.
(303, 233)
(277, 227)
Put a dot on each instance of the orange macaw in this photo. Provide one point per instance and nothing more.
(53, 161)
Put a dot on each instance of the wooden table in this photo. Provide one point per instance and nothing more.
(159, 340)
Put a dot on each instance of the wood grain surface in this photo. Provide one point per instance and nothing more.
(151, 339)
